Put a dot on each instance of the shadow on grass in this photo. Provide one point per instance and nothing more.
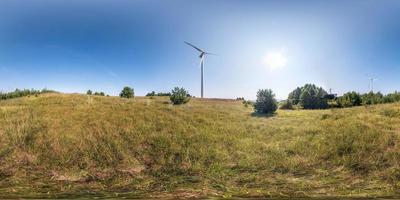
(264, 115)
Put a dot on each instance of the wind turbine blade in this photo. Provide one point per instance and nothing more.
(211, 54)
(198, 49)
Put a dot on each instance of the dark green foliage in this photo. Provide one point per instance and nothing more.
(179, 96)
(151, 94)
(294, 96)
(309, 97)
(266, 102)
(89, 92)
(286, 105)
(22, 93)
(392, 97)
(99, 94)
(349, 99)
(160, 94)
(127, 92)
(372, 98)
(312, 97)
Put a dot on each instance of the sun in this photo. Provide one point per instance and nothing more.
(275, 59)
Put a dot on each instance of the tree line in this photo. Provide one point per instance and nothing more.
(177, 95)
(22, 93)
(311, 96)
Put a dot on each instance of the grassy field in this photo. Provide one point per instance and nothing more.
(65, 145)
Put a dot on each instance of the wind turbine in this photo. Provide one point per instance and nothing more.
(371, 83)
(202, 57)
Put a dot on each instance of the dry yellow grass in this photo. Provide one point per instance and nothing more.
(62, 145)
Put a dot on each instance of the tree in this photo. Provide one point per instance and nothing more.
(350, 99)
(179, 96)
(89, 92)
(312, 97)
(266, 102)
(294, 96)
(127, 92)
(151, 94)
(372, 98)
(392, 97)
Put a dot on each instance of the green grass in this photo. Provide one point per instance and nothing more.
(59, 145)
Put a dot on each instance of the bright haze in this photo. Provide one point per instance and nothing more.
(73, 46)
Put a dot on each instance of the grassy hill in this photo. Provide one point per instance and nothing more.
(59, 145)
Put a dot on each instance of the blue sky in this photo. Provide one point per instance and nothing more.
(103, 45)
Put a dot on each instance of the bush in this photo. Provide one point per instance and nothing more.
(286, 105)
(350, 99)
(240, 99)
(151, 94)
(160, 94)
(294, 96)
(372, 98)
(127, 92)
(99, 94)
(392, 97)
(266, 102)
(22, 93)
(312, 97)
(89, 92)
(179, 96)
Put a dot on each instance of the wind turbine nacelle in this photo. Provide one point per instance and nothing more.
(202, 54)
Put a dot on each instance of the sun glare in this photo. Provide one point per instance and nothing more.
(275, 59)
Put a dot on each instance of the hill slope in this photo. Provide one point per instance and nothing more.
(58, 145)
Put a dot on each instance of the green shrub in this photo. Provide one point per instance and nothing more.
(151, 94)
(392, 97)
(127, 92)
(372, 98)
(350, 99)
(266, 102)
(179, 96)
(99, 94)
(22, 93)
(160, 94)
(309, 96)
(89, 92)
(294, 96)
(312, 97)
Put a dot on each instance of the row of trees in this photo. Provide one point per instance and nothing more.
(22, 93)
(310, 96)
(90, 92)
(160, 94)
(350, 99)
(177, 95)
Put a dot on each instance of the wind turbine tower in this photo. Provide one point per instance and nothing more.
(202, 57)
(371, 83)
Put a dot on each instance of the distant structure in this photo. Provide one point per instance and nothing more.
(330, 96)
(371, 83)
(202, 57)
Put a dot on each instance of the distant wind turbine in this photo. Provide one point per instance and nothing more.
(202, 57)
(371, 83)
